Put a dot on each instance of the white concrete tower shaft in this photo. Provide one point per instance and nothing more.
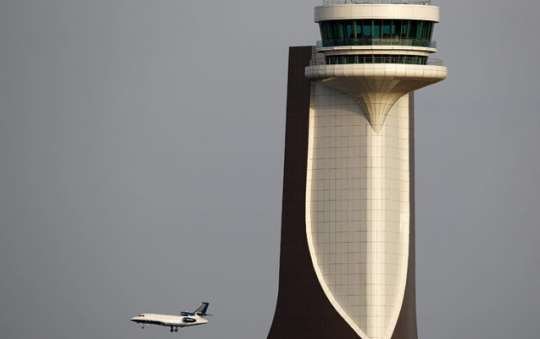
(371, 57)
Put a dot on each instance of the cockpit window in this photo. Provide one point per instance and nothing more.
(141, 315)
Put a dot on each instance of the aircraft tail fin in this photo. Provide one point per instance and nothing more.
(202, 309)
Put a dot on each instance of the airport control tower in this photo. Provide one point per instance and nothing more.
(347, 267)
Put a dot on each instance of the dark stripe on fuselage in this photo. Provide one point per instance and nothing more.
(155, 322)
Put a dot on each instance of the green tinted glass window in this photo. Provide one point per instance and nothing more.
(349, 32)
(366, 32)
(339, 31)
(366, 29)
(387, 29)
(376, 59)
(413, 27)
(376, 29)
(357, 30)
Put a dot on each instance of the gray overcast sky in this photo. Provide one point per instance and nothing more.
(141, 152)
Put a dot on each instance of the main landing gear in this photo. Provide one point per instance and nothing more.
(174, 329)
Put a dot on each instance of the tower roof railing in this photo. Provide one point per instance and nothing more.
(318, 59)
(395, 2)
(378, 42)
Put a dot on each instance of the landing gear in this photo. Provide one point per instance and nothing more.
(174, 329)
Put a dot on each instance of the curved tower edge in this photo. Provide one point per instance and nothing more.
(406, 326)
(303, 309)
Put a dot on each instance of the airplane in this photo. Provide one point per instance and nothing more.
(185, 319)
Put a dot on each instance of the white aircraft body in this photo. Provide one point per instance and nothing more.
(174, 322)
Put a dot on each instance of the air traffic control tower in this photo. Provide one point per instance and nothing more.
(347, 266)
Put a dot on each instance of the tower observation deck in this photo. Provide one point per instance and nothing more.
(348, 229)
(377, 51)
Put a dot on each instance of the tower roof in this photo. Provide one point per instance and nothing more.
(390, 2)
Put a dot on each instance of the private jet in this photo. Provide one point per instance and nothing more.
(174, 322)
